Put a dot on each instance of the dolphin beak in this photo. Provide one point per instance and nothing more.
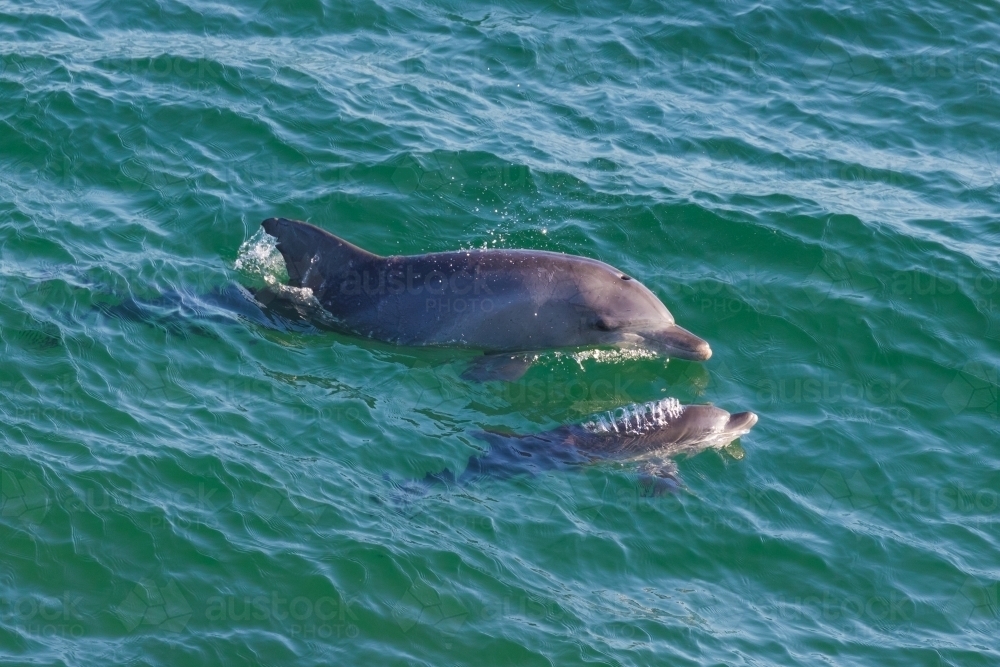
(679, 342)
(741, 422)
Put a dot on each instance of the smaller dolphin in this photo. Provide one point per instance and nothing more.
(650, 435)
(503, 302)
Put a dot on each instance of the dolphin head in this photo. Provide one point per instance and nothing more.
(625, 313)
(708, 426)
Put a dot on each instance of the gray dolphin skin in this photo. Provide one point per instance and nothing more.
(497, 301)
(648, 435)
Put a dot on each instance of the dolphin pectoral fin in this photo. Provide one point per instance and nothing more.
(659, 477)
(735, 450)
(507, 367)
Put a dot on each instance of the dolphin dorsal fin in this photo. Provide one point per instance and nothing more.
(314, 256)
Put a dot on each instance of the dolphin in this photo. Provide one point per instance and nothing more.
(646, 435)
(505, 303)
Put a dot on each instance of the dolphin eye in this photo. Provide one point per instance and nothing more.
(602, 325)
(624, 277)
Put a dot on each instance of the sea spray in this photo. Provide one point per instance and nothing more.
(259, 260)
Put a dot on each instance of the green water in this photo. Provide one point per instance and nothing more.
(812, 188)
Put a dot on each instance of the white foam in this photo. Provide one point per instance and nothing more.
(609, 355)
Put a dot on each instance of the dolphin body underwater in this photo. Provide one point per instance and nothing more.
(506, 303)
(648, 435)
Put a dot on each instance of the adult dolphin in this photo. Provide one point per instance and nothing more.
(503, 302)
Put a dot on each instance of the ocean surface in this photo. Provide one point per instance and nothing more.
(814, 188)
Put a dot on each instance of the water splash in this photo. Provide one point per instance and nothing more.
(603, 356)
(259, 259)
